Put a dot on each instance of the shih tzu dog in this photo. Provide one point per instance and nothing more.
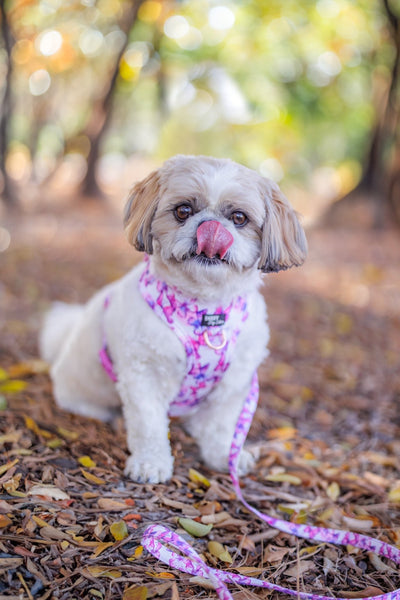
(183, 333)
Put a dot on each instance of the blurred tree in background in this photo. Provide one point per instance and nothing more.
(307, 90)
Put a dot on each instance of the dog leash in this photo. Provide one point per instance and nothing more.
(155, 537)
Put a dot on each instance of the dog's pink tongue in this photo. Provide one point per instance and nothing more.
(213, 239)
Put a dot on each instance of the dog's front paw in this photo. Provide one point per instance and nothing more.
(219, 462)
(247, 461)
(149, 469)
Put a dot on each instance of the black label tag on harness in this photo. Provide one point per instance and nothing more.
(213, 320)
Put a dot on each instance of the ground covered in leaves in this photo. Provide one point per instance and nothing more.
(327, 429)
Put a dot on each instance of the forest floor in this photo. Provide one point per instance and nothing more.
(327, 427)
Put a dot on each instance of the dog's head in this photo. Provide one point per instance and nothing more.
(213, 216)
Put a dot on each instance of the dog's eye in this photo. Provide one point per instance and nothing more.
(183, 212)
(239, 218)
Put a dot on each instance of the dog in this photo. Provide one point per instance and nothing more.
(183, 333)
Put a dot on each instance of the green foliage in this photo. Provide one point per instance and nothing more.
(284, 87)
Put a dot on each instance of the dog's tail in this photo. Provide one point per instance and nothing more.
(58, 322)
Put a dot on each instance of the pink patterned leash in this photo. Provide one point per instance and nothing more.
(156, 536)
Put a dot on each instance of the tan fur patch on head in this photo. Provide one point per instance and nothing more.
(284, 243)
(139, 212)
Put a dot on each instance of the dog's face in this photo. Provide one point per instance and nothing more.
(213, 218)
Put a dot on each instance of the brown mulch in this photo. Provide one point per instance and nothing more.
(327, 428)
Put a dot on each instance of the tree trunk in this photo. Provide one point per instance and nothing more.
(103, 111)
(379, 184)
(8, 192)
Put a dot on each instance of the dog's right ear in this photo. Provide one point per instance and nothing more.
(139, 212)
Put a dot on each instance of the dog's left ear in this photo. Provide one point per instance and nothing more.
(283, 243)
(139, 212)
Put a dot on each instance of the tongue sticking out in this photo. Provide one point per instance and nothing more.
(213, 239)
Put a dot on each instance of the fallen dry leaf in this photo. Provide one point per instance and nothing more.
(194, 527)
(119, 530)
(51, 491)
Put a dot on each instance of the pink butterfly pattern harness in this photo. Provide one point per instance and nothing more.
(207, 361)
(208, 334)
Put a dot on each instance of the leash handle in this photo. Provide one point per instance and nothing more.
(156, 536)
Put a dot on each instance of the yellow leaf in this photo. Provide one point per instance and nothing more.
(64, 544)
(12, 484)
(284, 477)
(194, 528)
(92, 478)
(333, 491)
(8, 466)
(394, 495)
(4, 521)
(283, 433)
(30, 424)
(13, 436)
(68, 435)
(89, 495)
(198, 478)
(3, 374)
(119, 530)
(54, 443)
(137, 554)
(79, 539)
(135, 593)
(18, 494)
(86, 461)
(29, 367)
(12, 386)
(39, 521)
(100, 548)
(165, 575)
(343, 323)
(99, 571)
(218, 550)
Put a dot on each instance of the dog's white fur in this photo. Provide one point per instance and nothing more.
(148, 357)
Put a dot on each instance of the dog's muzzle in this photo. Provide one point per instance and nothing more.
(213, 239)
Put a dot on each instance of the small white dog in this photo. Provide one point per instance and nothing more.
(183, 333)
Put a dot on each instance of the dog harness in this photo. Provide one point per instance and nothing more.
(209, 339)
(207, 333)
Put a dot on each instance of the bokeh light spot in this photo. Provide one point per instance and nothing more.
(50, 42)
(91, 41)
(221, 17)
(39, 82)
(176, 27)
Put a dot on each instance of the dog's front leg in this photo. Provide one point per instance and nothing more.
(145, 409)
(213, 425)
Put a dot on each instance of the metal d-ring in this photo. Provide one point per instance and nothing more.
(210, 345)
